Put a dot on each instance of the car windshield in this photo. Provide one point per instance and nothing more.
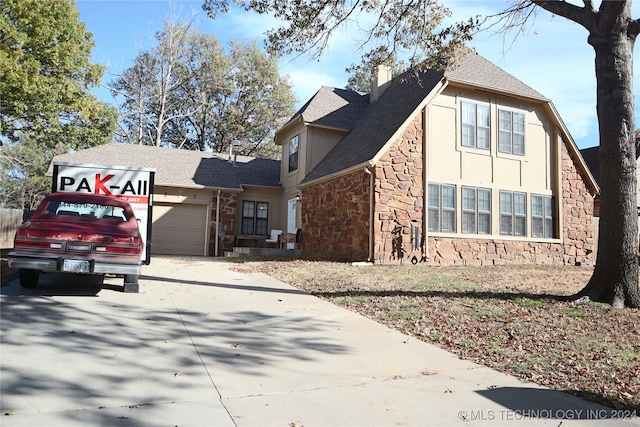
(93, 210)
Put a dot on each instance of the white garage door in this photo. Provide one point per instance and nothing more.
(179, 229)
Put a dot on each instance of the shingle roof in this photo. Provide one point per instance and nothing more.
(478, 71)
(591, 157)
(334, 107)
(382, 118)
(183, 168)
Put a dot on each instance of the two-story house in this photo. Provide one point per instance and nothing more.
(464, 166)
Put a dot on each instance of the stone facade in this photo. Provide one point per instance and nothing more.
(399, 196)
(399, 190)
(227, 226)
(336, 217)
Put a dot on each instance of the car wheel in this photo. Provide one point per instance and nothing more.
(131, 283)
(28, 277)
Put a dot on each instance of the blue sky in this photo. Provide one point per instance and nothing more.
(553, 57)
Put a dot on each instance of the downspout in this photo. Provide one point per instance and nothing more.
(371, 193)
(217, 221)
(425, 186)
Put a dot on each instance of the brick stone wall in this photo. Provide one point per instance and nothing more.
(399, 195)
(400, 202)
(227, 226)
(335, 218)
(577, 247)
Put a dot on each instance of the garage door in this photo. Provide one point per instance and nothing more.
(179, 229)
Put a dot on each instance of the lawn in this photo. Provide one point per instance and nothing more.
(515, 319)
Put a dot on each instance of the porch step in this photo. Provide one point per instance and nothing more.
(263, 252)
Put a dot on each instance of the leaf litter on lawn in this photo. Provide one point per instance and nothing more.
(517, 319)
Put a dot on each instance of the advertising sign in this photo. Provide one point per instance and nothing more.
(133, 185)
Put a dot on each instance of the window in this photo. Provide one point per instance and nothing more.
(513, 213)
(293, 153)
(476, 210)
(511, 132)
(442, 207)
(255, 217)
(541, 216)
(475, 126)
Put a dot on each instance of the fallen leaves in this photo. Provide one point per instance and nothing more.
(515, 319)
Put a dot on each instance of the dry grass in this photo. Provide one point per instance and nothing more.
(516, 319)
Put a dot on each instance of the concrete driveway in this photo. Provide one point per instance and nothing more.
(202, 345)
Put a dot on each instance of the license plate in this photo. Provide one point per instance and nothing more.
(76, 266)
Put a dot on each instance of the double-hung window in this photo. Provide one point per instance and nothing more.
(293, 153)
(255, 217)
(513, 213)
(476, 210)
(442, 207)
(475, 125)
(510, 132)
(541, 216)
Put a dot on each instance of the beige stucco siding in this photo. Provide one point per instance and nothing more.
(276, 219)
(443, 158)
(452, 162)
(314, 144)
(449, 162)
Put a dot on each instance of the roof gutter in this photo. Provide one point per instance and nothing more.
(338, 174)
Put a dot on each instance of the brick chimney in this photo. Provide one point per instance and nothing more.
(380, 81)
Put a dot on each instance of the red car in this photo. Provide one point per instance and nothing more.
(79, 233)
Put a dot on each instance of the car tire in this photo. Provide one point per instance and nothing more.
(28, 277)
(131, 283)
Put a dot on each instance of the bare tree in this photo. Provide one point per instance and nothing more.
(188, 93)
(415, 27)
(149, 88)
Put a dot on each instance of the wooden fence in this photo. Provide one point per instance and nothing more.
(10, 219)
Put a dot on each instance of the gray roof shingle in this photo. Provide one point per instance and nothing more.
(333, 107)
(381, 119)
(183, 168)
(478, 71)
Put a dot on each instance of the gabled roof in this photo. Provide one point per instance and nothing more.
(591, 157)
(477, 71)
(331, 107)
(183, 168)
(406, 95)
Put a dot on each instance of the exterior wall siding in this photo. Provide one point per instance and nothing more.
(227, 225)
(400, 202)
(335, 218)
(399, 196)
(577, 247)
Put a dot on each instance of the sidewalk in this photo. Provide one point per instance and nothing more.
(202, 345)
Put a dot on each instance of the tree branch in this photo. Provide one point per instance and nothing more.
(586, 16)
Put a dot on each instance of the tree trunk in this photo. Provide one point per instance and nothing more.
(615, 278)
